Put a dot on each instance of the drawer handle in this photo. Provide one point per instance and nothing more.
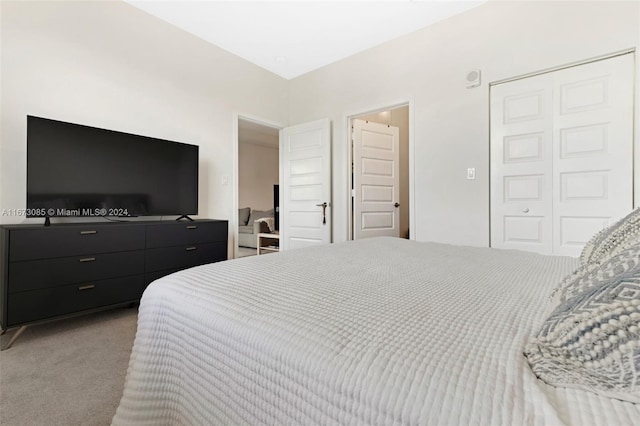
(88, 259)
(88, 232)
(86, 287)
(191, 248)
(192, 226)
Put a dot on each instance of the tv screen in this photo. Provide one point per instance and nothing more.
(75, 170)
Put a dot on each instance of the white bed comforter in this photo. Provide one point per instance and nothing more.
(380, 331)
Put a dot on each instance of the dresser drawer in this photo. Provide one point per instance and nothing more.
(184, 256)
(42, 243)
(35, 274)
(40, 304)
(180, 233)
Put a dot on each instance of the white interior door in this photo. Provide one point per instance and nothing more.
(305, 193)
(521, 165)
(561, 156)
(593, 131)
(376, 180)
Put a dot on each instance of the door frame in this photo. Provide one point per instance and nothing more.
(236, 158)
(358, 112)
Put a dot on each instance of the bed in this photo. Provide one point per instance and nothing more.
(382, 331)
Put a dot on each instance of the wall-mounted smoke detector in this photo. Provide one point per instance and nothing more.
(473, 79)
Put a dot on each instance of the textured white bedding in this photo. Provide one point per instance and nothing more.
(380, 331)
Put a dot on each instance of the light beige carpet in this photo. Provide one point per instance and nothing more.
(68, 372)
(246, 251)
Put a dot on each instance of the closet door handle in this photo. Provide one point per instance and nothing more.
(525, 210)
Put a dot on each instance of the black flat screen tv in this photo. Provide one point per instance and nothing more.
(76, 170)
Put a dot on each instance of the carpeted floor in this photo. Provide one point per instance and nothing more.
(68, 372)
(246, 251)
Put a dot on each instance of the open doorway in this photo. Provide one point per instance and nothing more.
(258, 180)
(379, 183)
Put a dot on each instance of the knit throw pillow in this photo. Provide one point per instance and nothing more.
(592, 340)
(592, 275)
(612, 240)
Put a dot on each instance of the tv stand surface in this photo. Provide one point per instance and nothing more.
(75, 268)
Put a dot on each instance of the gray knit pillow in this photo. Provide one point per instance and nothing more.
(612, 240)
(593, 275)
(592, 341)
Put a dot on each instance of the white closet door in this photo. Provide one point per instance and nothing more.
(561, 156)
(521, 165)
(593, 150)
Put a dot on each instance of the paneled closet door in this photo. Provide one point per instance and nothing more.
(521, 165)
(593, 150)
(564, 168)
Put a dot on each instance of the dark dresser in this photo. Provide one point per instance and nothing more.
(67, 269)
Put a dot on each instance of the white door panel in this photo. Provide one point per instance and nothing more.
(521, 166)
(592, 127)
(376, 180)
(561, 156)
(306, 183)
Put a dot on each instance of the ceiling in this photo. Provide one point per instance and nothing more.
(291, 38)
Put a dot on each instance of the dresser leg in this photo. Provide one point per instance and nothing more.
(14, 337)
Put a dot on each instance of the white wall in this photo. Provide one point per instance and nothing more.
(450, 122)
(258, 171)
(108, 64)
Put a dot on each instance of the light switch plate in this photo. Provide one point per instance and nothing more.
(471, 173)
